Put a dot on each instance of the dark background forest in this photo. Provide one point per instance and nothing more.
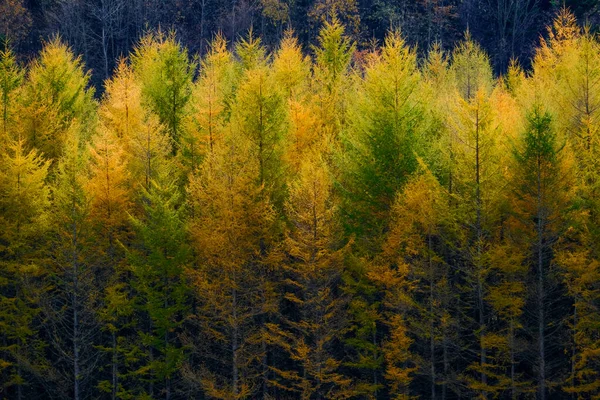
(103, 30)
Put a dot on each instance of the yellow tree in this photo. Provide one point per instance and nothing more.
(210, 104)
(476, 177)
(11, 78)
(420, 217)
(24, 205)
(582, 275)
(312, 332)
(331, 77)
(543, 191)
(291, 74)
(228, 230)
(110, 199)
(56, 93)
(121, 109)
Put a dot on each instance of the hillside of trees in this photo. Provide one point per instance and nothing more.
(325, 223)
(102, 31)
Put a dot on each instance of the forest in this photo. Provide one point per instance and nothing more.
(291, 221)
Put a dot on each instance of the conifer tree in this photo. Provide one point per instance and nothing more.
(211, 102)
(121, 109)
(331, 71)
(470, 68)
(70, 303)
(421, 223)
(11, 78)
(164, 73)
(314, 329)
(476, 177)
(383, 137)
(56, 93)
(158, 266)
(110, 199)
(542, 194)
(233, 218)
(24, 204)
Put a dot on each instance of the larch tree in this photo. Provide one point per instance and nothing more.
(164, 72)
(210, 105)
(158, 261)
(11, 79)
(470, 68)
(111, 199)
(24, 206)
(414, 247)
(581, 275)
(70, 303)
(227, 234)
(476, 183)
(56, 93)
(314, 330)
(542, 194)
(331, 68)
(121, 109)
(384, 134)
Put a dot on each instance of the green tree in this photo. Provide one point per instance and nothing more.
(543, 192)
(11, 79)
(161, 291)
(56, 93)
(24, 206)
(164, 72)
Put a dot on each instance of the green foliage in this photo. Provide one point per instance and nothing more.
(165, 74)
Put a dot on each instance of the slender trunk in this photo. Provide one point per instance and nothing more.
(513, 387)
(540, 291)
(375, 382)
(234, 344)
(479, 238)
(115, 369)
(75, 305)
(431, 318)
